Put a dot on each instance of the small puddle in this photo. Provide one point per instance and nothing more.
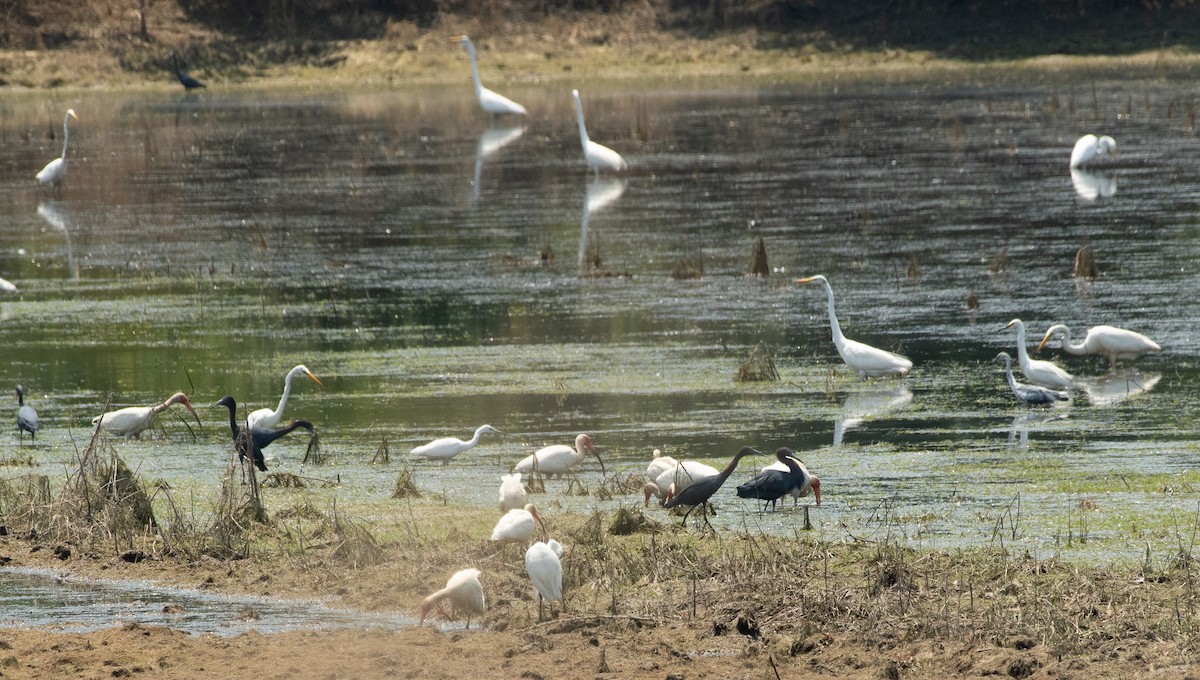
(39, 598)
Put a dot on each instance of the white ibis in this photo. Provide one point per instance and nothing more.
(558, 459)
(517, 526)
(658, 465)
(676, 479)
(512, 492)
(867, 361)
(465, 593)
(1107, 341)
(1033, 395)
(27, 418)
(698, 493)
(544, 566)
(1038, 372)
(265, 417)
(134, 420)
(448, 447)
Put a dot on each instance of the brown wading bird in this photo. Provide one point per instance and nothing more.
(465, 593)
(134, 420)
(700, 491)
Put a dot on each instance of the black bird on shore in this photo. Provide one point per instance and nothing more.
(250, 443)
(699, 492)
(189, 83)
(27, 418)
(772, 484)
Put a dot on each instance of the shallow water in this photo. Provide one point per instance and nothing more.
(393, 242)
(34, 598)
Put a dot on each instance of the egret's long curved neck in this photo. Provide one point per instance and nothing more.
(474, 69)
(66, 135)
(1069, 348)
(834, 327)
(583, 136)
(1022, 353)
(287, 392)
(475, 439)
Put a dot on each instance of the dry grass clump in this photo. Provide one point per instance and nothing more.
(406, 486)
(759, 366)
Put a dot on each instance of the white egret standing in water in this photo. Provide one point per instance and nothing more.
(1091, 147)
(56, 170)
(265, 418)
(1106, 341)
(598, 156)
(492, 102)
(867, 361)
(448, 447)
(1038, 372)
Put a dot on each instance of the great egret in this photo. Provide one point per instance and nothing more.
(132, 421)
(27, 418)
(56, 170)
(1107, 341)
(867, 361)
(1089, 147)
(189, 83)
(448, 447)
(265, 417)
(598, 156)
(808, 482)
(7, 286)
(465, 593)
(1038, 372)
(1033, 395)
(559, 458)
(492, 102)
(544, 566)
(517, 526)
(677, 478)
(698, 493)
(250, 442)
(512, 492)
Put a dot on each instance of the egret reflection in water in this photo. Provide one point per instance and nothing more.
(57, 216)
(1114, 388)
(492, 140)
(1092, 185)
(1018, 431)
(601, 192)
(868, 403)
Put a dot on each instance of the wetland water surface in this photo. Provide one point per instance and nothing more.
(439, 270)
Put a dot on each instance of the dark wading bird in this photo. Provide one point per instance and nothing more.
(772, 483)
(700, 491)
(27, 418)
(1033, 395)
(189, 83)
(249, 443)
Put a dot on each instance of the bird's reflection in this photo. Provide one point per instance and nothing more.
(868, 403)
(1092, 185)
(1018, 432)
(600, 193)
(1114, 388)
(57, 216)
(492, 140)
